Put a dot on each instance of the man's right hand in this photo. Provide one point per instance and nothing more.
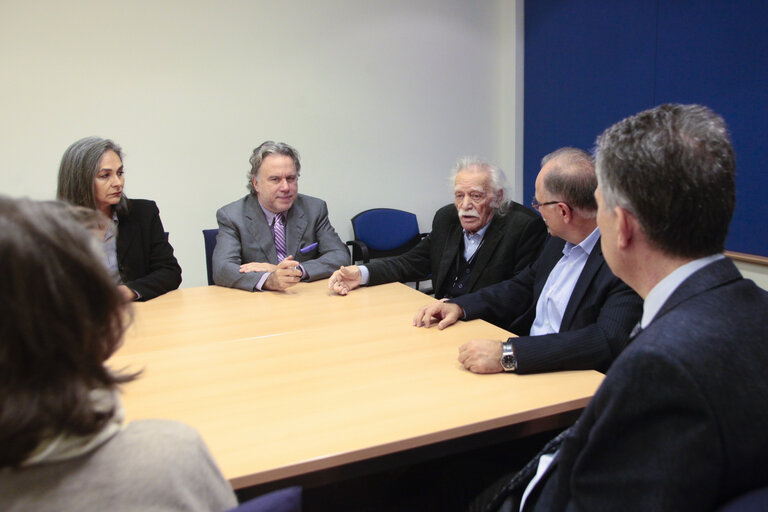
(345, 279)
(256, 266)
(285, 275)
(447, 312)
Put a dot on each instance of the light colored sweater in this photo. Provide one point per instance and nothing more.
(150, 465)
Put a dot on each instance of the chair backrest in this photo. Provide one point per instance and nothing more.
(284, 500)
(209, 237)
(753, 501)
(386, 231)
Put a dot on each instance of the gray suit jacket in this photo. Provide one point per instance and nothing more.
(244, 237)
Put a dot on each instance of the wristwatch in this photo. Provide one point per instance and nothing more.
(508, 358)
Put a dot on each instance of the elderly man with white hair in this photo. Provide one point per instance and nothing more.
(481, 239)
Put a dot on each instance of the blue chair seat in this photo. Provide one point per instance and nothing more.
(284, 500)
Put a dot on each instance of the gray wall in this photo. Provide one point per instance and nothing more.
(380, 98)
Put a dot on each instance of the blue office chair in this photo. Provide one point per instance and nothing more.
(209, 237)
(284, 500)
(383, 232)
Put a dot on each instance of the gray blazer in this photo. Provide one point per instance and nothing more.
(244, 236)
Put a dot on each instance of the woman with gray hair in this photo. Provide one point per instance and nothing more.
(64, 444)
(137, 251)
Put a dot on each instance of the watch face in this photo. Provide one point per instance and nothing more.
(508, 362)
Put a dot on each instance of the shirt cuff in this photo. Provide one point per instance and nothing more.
(365, 275)
(304, 275)
(261, 282)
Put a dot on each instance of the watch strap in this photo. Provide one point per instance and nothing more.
(508, 357)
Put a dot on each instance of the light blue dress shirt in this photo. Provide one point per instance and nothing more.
(557, 291)
(473, 241)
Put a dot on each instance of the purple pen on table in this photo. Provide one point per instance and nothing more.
(308, 248)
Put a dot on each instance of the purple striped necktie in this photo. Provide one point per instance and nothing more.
(279, 233)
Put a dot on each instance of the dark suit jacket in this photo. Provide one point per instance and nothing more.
(596, 324)
(144, 256)
(680, 422)
(511, 242)
(244, 236)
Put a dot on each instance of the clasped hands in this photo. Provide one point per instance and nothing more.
(282, 276)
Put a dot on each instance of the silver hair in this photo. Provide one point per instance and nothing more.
(78, 168)
(499, 181)
(270, 148)
(673, 168)
(573, 179)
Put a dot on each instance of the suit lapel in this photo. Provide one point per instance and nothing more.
(485, 251)
(594, 262)
(261, 234)
(448, 256)
(715, 274)
(550, 255)
(128, 236)
(296, 225)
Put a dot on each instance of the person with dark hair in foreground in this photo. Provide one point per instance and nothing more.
(679, 422)
(63, 441)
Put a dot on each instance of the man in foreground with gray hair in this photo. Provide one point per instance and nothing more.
(481, 239)
(275, 237)
(568, 309)
(679, 422)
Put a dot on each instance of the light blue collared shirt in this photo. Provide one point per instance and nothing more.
(472, 243)
(666, 287)
(557, 291)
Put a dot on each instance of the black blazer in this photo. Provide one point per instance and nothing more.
(680, 421)
(511, 242)
(596, 324)
(144, 256)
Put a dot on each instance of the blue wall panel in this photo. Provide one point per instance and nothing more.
(589, 63)
(716, 54)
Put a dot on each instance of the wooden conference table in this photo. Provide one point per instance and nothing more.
(284, 385)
